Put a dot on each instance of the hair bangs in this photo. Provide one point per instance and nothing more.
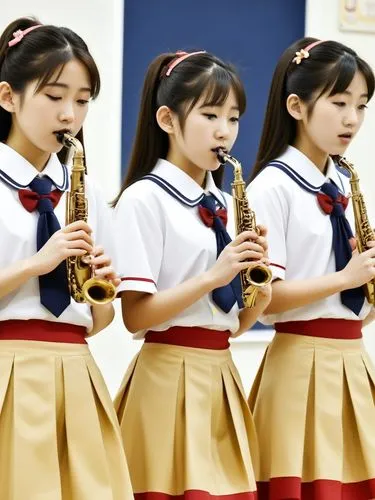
(217, 89)
(51, 65)
(368, 75)
(340, 75)
(213, 87)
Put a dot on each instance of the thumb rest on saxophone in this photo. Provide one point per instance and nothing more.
(257, 275)
(363, 230)
(83, 285)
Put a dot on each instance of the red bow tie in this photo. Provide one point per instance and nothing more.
(327, 203)
(208, 217)
(30, 199)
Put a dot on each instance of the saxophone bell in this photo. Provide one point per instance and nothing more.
(98, 291)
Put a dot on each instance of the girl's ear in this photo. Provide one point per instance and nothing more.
(295, 107)
(164, 117)
(7, 97)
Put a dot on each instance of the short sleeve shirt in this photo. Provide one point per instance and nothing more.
(162, 242)
(299, 232)
(18, 229)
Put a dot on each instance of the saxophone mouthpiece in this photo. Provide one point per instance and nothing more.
(63, 137)
(60, 137)
(221, 155)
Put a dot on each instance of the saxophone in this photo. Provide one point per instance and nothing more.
(363, 230)
(259, 275)
(83, 285)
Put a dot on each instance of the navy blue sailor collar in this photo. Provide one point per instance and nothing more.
(181, 186)
(17, 172)
(305, 173)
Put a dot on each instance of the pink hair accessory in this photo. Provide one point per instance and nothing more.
(304, 53)
(19, 34)
(183, 56)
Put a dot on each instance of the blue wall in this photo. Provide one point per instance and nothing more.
(249, 33)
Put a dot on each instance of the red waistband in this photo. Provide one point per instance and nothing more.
(45, 331)
(329, 328)
(195, 336)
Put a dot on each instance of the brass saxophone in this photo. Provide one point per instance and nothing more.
(259, 275)
(83, 285)
(363, 230)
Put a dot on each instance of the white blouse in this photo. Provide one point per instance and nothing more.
(162, 242)
(299, 232)
(18, 229)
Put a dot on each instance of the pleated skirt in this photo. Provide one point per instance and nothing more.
(59, 435)
(313, 402)
(186, 425)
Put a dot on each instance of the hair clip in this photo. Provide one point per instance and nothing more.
(19, 34)
(301, 54)
(304, 53)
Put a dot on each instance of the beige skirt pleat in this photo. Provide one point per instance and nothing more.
(186, 424)
(313, 402)
(59, 438)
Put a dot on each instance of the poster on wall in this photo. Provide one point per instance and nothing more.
(357, 15)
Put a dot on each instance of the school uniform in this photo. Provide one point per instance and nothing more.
(186, 425)
(59, 436)
(313, 397)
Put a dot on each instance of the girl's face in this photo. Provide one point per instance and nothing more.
(206, 128)
(334, 120)
(61, 105)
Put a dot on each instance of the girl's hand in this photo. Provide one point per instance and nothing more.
(102, 267)
(238, 255)
(261, 240)
(264, 244)
(71, 241)
(361, 268)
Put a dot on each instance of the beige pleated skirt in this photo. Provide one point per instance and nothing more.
(59, 436)
(186, 425)
(314, 408)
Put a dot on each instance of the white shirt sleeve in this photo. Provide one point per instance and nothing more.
(139, 239)
(271, 211)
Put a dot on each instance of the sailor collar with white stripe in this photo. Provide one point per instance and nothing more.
(181, 186)
(16, 171)
(304, 172)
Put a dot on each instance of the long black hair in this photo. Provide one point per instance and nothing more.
(200, 75)
(41, 53)
(330, 67)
